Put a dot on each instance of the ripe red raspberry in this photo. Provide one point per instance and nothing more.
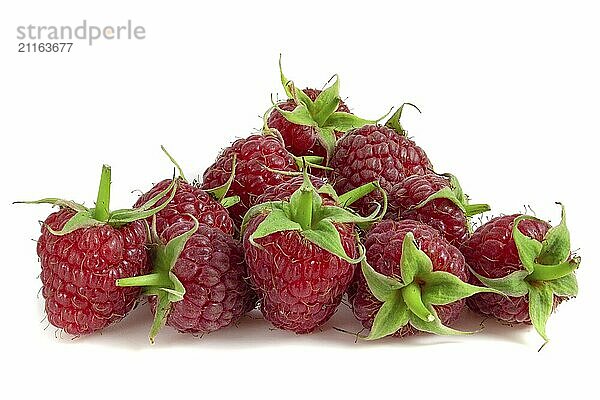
(529, 261)
(84, 251)
(301, 140)
(188, 199)
(435, 201)
(385, 244)
(212, 270)
(257, 159)
(79, 271)
(492, 252)
(376, 153)
(300, 254)
(300, 285)
(198, 284)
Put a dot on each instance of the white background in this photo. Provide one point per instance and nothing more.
(509, 94)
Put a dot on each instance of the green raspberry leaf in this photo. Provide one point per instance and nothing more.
(380, 285)
(513, 284)
(391, 317)
(444, 288)
(435, 326)
(565, 286)
(541, 300)
(556, 246)
(413, 262)
(528, 248)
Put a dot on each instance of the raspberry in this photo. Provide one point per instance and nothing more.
(300, 247)
(437, 201)
(384, 247)
(300, 284)
(301, 140)
(211, 268)
(526, 259)
(188, 199)
(492, 252)
(83, 252)
(79, 271)
(257, 159)
(378, 153)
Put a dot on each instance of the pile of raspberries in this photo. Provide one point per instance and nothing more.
(319, 206)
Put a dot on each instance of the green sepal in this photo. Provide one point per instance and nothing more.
(325, 235)
(444, 193)
(162, 282)
(351, 196)
(81, 219)
(175, 163)
(260, 209)
(343, 121)
(394, 121)
(527, 247)
(455, 194)
(513, 284)
(124, 216)
(290, 90)
(276, 221)
(434, 325)
(220, 192)
(299, 115)
(556, 246)
(327, 139)
(230, 201)
(541, 300)
(343, 215)
(391, 317)
(444, 288)
(327, 102)
(413, 260)
(163, 307)
(382, 286)
(565, 286)
(57, 202)
(328, 190)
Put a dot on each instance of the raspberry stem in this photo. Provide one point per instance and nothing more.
(102, 212)
(305, 210)
(550, 272)
(155, 279)
(412, 297)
